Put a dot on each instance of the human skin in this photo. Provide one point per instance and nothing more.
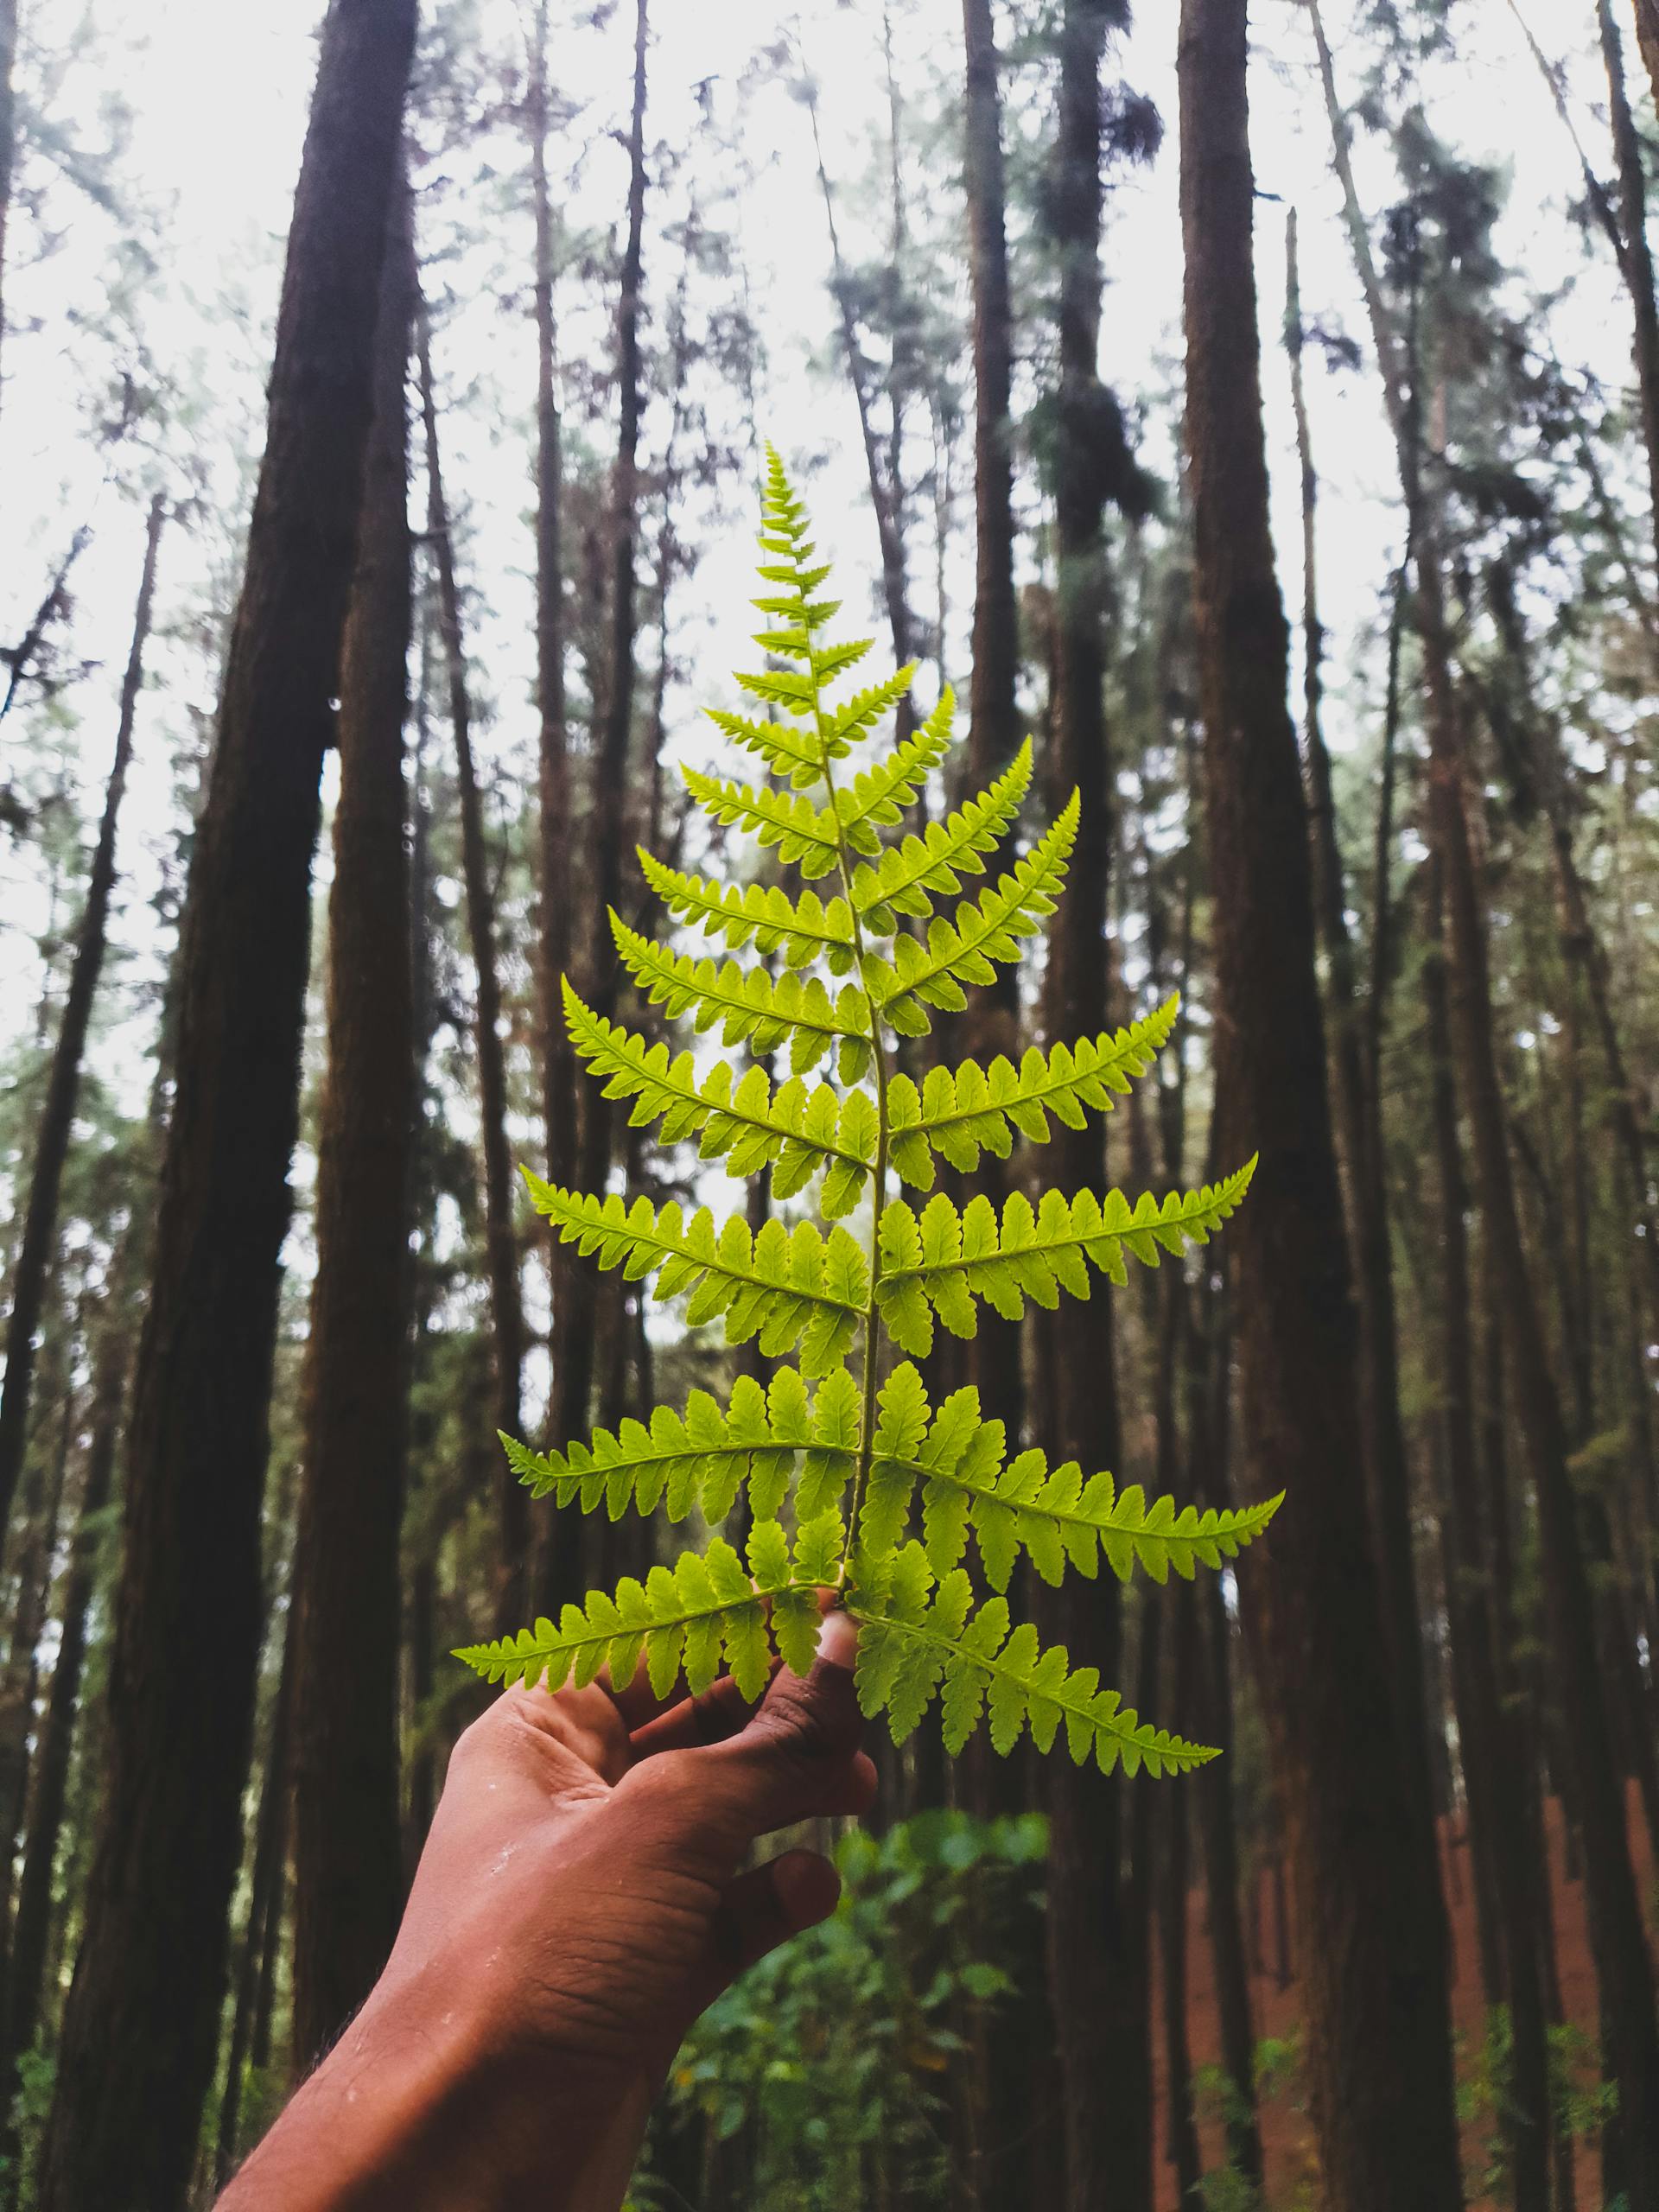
(583, 1895)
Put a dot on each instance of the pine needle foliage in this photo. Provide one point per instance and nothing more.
(858, 1485)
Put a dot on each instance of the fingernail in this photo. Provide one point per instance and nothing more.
(838, 1640)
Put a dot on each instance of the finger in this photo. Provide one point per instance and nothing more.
(637, 1701)
(762, 1909)
(717, 1713)
(798, 1758)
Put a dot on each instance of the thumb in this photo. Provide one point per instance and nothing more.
(798, 1758)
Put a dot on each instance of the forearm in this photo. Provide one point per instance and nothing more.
(404, 2116)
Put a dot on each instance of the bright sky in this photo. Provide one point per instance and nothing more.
(218, 98)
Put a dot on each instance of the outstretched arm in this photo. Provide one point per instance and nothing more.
(583, 1895)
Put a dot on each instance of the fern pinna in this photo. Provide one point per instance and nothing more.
(836, 1458)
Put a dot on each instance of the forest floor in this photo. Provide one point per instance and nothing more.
(1286, 2136)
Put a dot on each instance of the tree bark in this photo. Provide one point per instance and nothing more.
(63, 1084)
(1360, 1124)
(1097, 1959)
(1492, 1745)
(348, 1881)
(137, 2051)
(573, 1381)
(500, 1238)
(1373, 1964)
(1636, 262)
(1647, 37)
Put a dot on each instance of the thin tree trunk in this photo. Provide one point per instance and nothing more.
(1359, 1122)
(1181, 2139)
(137, 2052)
(560, 1075)
(501, 1242)
(63, 1084)
(1493, 1759)
(1373, 1973)
(250, 2013)
(348, 1885)
(992, 1025)
(1636, 263)
(884, 488)
(573, 1381)
(1647, 37)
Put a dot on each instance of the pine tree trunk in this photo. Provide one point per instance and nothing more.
(573, 1376)
(63, 1084)
(1619, 1941)
(34, 1914)
(250, 2040)
(560, 1072)
(348, 1886)
(1373, 1973)
(1097, 1999)
(1635, 260)
(1492, 1746)
(994, 735)
(1359, 1127)
(137, 2051)
(501, 1242)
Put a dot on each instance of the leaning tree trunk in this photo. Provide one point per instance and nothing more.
(63, 1084)
(573, 1379)
(137, 2051)
(1635, 260)
(501, 1242)
(1097, 1976)
(348, 1887)
(1373, 1961)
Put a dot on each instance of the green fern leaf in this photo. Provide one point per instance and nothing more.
(959, 1110)
(786, 1288)
(804, 834)
(803, 929)
(748, 1006)
(878, 796)
(936, 861)
(984, 930)
(918, 1640)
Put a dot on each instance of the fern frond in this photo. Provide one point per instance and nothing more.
(785, 1286)
(795, 1132)
(750, 1006)
(917, 1642)
(878, 796)
(705, 1456)
(802, 930)
(937, 861)
(983, 931)
(943, 1260)
(804, 834)
(705, 1614)
(958, 1110)
(786, 749)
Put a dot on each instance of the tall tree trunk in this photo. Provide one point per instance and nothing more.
(348, 1886)
(1360, 1124)
(501, 1242)
(137, 2052)
(1172, 1879)
(250, 2040)
(1369, 1930)
(1647, 37)
(34, 1914)
(573, 1380)
(1097, 1997)
(885, 489)
(63, 1084)
(1636, 262)
(1491, 1742)
(992, 1025)
(560, 1074)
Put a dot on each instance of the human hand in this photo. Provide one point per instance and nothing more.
(582, 1898)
